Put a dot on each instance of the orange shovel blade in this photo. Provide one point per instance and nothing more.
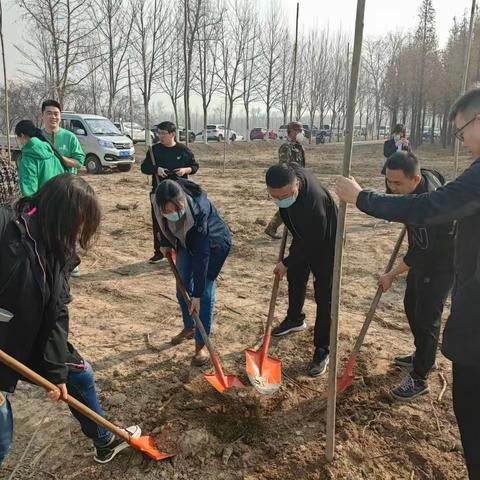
(222, 382)
(147, 446)
(266, 377)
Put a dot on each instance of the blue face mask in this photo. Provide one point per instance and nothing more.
(285, 202)
(175, 216)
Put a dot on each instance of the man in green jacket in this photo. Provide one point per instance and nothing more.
(65, 141)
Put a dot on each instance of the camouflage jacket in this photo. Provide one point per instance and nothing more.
(291, 151)
(9, 189)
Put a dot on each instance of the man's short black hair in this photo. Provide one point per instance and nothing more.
(280, 175)
(169, 127)
(405, 161)
(469, 102)
(51, 103)
(399, 128)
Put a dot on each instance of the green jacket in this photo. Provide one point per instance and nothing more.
(68, 145)
(37, 165)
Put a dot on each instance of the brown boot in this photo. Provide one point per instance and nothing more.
(272, 233)
(201, 357)
(185, 334)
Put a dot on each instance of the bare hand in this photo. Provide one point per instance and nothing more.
(347, 189)
(280, 270)
(60, 393)
(166, 250)
(181, 172)
(385, 281)
(161, 172)
(194, 308)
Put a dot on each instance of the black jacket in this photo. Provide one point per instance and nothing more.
(430, 248)
(34, 288)
(312, 220)
(458, 200)
(169, 158)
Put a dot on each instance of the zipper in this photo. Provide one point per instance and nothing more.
(293, 226)
(36, 251)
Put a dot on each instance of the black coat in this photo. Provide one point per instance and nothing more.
(34, 288)
(312, 220)
(458, 200)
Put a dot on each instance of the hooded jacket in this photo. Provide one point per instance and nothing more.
(37, 165)
(34, 288)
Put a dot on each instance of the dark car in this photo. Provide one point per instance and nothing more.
(258, 133)
(322, 134)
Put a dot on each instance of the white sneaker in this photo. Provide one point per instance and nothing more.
(108, 452)
(75, 272)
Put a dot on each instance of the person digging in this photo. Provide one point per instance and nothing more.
(38, 242)
(190, 224)
(310, 214)
(429, 263)
(289, 152)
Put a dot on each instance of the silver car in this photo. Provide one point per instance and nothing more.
(104, 145)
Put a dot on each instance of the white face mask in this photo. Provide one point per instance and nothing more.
(396, 138)
(300, 136)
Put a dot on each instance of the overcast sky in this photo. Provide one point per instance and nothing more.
(381, 16)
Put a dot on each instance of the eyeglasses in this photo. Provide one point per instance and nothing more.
(459, 133)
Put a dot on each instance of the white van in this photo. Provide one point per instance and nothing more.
(104, 145)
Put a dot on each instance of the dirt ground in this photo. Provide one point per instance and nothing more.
(124, 313)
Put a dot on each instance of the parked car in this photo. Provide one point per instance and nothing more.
(258, 133)
(103, 143)
(282, 132)
(217, 132)
(181, 134)
(134, 131)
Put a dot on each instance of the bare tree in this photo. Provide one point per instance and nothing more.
(115, 24)
(271, 35)
(285, 81)
(151, 33)
(64, 30)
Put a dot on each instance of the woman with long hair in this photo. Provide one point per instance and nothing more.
(190, 225)
(40, 161)
(38, 242)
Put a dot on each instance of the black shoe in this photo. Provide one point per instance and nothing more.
(410, 389)
(319, 363)
(157, 258)
(106, 453)
(289, 326)
(407, 362)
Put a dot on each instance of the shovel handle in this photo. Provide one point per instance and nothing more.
(378, 296)
(276, 284)
(73, 402)
(196, 318)
(152, 159)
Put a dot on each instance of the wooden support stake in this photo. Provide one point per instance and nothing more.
(340, 238)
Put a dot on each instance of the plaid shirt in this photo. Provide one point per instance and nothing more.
(291, 151)
(9, 189)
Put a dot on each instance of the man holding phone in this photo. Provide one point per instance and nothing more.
(170, 160)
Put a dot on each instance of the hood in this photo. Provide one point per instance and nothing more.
(41, 149)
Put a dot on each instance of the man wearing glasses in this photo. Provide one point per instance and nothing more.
(171, 160)
(458, 200)
(310, 214)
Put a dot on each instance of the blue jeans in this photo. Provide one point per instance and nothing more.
(207, 300)
(80, 385)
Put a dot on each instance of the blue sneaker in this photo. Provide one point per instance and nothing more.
(410, 389)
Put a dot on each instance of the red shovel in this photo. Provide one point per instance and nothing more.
(264, 371)
(218, 380)
(346, 380)
(144, 444)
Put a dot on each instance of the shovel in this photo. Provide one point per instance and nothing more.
(144, 444)
(218, 380)
(346, 380)
(264, 371)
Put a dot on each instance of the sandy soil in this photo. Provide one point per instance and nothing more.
(124, 313)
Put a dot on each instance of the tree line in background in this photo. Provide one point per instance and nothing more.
(236, 56)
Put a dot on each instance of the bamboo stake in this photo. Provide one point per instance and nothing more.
(294, 63)
(466, 64)
(225, 131)
(131, 104)
(7, 115)
(340, 238)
